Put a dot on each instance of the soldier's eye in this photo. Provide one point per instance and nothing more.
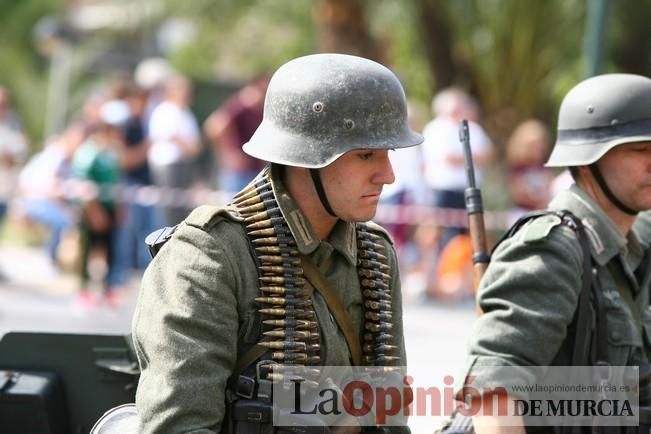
(365, 155)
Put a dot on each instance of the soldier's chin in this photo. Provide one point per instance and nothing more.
(360, 217)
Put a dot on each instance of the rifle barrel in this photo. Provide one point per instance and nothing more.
(474, 208)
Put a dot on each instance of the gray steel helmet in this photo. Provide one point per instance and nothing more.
(600, 113)
(320, 106)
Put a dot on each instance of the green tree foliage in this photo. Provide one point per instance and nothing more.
(23, 71)
(518, 57)
(238, 40)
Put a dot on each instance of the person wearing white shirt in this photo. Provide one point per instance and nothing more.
(175, 142)
(443, 152)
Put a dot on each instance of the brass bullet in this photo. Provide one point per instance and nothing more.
(377, 305)
(273, 212)
(378, 327)
(289, 357)
(298, 313)
(278, 269)
(253, 188)
(376, 294)
(382, 348)
(279, 259)
(277, 280)
(370, 245)
(297, 324)
(283, 301)
(262, 224)
(369, 263)
(368, 283)
(252, 209)
(368, 254)
(289, 334)
(271, 232)
(378, 316)
(261, 197)
(365, 235)
(380, 359)
(281, 290)
(281, 377)
(373, 274)
(276, 250)
(284, 345)
(279, 232)
(378, 337)
(282, 241)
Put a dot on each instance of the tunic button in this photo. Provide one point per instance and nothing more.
(615, 335)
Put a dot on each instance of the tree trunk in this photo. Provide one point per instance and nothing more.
(437, 41)
(342, 28)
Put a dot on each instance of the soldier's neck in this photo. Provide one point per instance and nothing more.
(301, 188)
(623, 221)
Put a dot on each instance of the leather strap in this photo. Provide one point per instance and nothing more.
(254, 353)
(584, 320)
(323, 286)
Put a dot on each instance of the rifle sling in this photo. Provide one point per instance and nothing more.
(323, 286)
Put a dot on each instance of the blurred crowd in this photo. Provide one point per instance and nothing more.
(436, 254)
(139, 132)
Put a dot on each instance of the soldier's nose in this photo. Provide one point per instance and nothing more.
(385, 174)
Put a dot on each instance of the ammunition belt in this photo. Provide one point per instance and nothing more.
(373, 268)
(290, 324)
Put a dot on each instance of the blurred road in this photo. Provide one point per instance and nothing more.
(35, 297)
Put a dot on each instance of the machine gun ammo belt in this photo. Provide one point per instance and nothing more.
(290, 327)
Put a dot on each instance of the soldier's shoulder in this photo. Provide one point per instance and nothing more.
(543, 229)
(371, 226)
(642, 227)
(539, 228)
(207, 217)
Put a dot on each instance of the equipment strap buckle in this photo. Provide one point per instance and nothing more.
(8, 379)
(245, 387)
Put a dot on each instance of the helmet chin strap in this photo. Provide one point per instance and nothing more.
(316, 178)
(608, 192)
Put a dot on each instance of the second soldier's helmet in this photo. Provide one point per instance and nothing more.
(321, 106)
(600, 113)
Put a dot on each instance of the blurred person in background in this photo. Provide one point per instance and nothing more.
(138, 219)
(97, 161)
(232, 125)
(445, 175)
(443, 153)
(41, 195)
(151, 74)
(528, 179)
(13, 149)
(175, 143)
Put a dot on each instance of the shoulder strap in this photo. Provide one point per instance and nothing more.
(584, 309)
(515, 227)
(323, 286)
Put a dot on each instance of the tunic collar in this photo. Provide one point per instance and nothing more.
(342, 238)
(606, 241)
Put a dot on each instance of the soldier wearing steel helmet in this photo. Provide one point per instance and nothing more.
(531, 290)
(229, 287)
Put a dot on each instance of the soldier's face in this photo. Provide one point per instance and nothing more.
(353, 183)
(627, 171)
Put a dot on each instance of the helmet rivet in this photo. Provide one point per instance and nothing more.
(317, 106)
(590, 109)
(614, 122)
(349, 124)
